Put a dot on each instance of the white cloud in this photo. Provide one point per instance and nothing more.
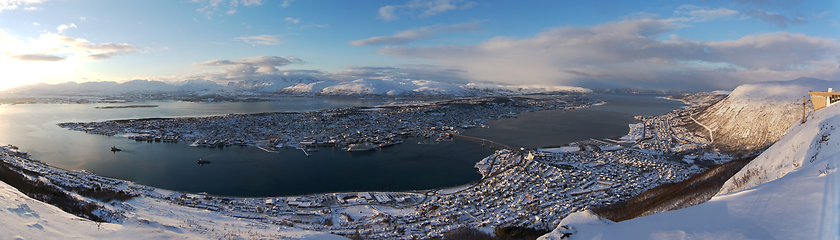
(292, 20)
(36, 24)
(37, 57)
(422, 8)
(55, 47)
(775, 18)
(691, 13)
(63, 27)
(32, 8)
(286, 3)
(629, 54)
(251, 2)
(251, 66)
(210, 7)
(263, 39)
(14, 4)
(415, 34)
(387, 12)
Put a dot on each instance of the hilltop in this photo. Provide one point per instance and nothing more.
(786, 192)
(756, 115)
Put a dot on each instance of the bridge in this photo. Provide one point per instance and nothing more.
(486, 142)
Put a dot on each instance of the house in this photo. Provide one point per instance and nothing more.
(824, 99)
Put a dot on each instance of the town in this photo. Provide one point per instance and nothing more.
(342, 127)
(534, 188)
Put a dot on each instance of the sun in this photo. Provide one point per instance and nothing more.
(18, 73)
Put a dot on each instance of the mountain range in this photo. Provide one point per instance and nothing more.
(292, 85)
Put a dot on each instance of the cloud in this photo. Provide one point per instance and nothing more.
(286, 3)
(55, 47)
(691, 13)
(63, 27)
(630, 53)
(14, 4)
(416, 34)
(263, 39)
(209, 7)
(251, 2)
(410, 72)
(422, 8)
(774, 18)
(37, 57)
(292, 20)
(252, 65)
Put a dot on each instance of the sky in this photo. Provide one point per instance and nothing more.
(668, 45)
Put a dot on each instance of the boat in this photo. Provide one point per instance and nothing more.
(202, 161)
(390, 143)
(358, 147)
(115, 149)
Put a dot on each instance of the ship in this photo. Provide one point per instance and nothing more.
(202, 161)
(357, 147)
(390, 143)
(115, 149)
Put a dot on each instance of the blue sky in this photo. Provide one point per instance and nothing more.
(685, 45)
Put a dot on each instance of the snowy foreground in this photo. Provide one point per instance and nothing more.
(790, 192)
(25, 218)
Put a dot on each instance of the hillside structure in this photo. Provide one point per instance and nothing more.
(824, 99)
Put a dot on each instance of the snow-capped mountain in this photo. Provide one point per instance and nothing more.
(295, 85)
(788, 192)
(270, 84)
(754, 116)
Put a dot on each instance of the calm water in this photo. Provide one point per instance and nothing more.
(551, 128)
(234, 171)
(248, 171)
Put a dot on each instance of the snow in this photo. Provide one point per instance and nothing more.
(559, 150)
(25, 218)
(385, 86)
(636, 132)
(795, 197)
(755, 115)
(800, 146)
(454, 189)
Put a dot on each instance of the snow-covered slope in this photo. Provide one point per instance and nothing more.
(799, 147)
(754, 116)
(801, 204)
(25, 218)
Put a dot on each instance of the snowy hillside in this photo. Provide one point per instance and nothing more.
(754, 116)
(798, 199)
(799, 147)
(25, 218)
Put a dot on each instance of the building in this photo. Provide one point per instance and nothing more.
(824, 99)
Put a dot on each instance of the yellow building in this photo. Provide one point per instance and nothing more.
(824, 99)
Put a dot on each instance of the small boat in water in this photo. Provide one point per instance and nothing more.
(115, 149)
(358, 147)
(202, 161)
